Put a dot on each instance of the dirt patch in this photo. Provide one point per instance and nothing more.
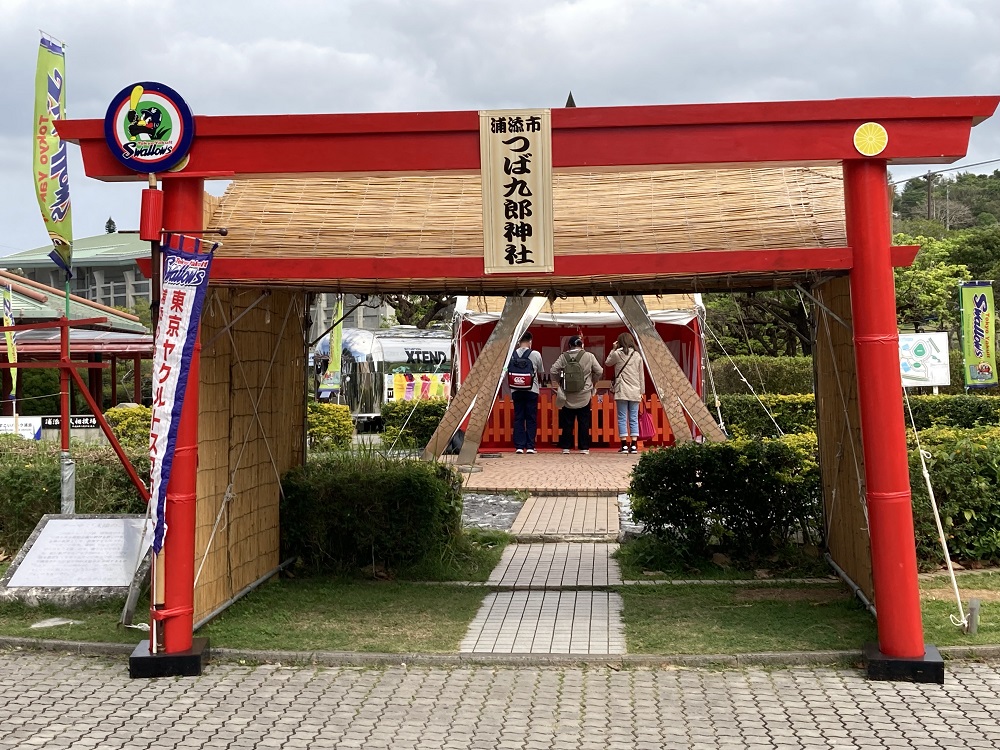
(816, 595)
(947, 595)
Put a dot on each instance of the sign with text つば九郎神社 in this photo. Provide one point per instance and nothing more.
(516, 163)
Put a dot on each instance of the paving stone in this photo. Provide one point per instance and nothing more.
(568, 517)
(579, 564)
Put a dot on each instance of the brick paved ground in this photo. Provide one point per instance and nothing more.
(547, 622)
(540, 566)
(57, 701)
(597, 473)
(560, 517)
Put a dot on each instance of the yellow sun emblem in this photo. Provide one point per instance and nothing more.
(871, 139)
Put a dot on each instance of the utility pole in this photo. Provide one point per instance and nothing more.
(930, 183)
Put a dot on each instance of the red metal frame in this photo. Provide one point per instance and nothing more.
(921, 131)
(67, 370)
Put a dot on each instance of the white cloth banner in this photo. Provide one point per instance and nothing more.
(183, 285)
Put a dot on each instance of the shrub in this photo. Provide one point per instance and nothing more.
(39, 391)
(745, 417)
(744, 497)
(329, 426)
(965, 473)
(363, 508)
(30, 484)
(420, 425)
(780, 374)
(131, 425)
(955, 411)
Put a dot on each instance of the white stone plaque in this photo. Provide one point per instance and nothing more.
(84, 552)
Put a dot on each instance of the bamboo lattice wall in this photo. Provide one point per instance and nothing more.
(234, 446)
(838, 420)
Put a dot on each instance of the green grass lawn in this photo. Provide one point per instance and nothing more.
(471, 557)
(645, 558)
(304, 614)
(319, 614)
(939, 603)
(720, 619)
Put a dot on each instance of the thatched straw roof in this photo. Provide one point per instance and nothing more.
(594, 213)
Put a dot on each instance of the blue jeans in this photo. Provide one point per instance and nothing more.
(525, 418)
(628, 412)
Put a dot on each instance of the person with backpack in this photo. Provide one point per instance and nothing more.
(524, 372)
(627, 388)
(578, 370)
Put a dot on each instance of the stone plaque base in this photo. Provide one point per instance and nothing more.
(75, 559)
(928, 668)
(143, 665)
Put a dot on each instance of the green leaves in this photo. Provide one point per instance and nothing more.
(361, 507)
(742, 497)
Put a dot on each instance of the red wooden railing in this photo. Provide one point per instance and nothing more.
(499, 431)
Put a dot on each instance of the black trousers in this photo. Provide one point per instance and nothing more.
(525, 418)
(581, 418)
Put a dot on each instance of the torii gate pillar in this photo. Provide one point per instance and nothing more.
(900, 652)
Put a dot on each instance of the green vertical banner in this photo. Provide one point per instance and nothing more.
(329, 388)
(8, 320)
(50, 162)
(978, 334)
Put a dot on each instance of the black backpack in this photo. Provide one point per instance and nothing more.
(520, 371)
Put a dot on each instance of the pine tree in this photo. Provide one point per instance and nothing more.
(110, 227)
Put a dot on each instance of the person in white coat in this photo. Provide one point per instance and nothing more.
(628, 387)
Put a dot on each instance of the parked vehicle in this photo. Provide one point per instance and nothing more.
(401, 363)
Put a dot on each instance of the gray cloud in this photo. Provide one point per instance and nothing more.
(228, 57)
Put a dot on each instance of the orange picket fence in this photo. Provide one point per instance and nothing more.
(499, 431)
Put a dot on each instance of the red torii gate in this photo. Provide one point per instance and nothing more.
(921, 131)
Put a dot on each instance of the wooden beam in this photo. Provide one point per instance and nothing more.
(479, 389)
(671, 383)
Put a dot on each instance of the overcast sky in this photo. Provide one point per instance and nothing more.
(305, 56)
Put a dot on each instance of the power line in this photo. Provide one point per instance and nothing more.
(942, 171)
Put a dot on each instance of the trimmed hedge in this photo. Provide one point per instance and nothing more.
(360, 508)
(964, 466)
(329, 426)
(426, 414)
(779, 374)
(743, 497)
(30, 484)
(745, 417)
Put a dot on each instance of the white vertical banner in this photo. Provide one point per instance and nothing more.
(186, 265)
(516, 163)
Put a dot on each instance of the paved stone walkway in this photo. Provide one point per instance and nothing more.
(547, 622)
(598, 473)
(541, 566)
(62, 701)
(557, 518)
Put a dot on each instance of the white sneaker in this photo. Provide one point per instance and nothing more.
(584, 452)
(531, 450)
(565, 451)
(519, 450)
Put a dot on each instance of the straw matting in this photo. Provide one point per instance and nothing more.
(234, 446)
(561, 306)
(594, 213)
(838, 421)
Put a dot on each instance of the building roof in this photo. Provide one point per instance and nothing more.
(101, 250)
(37, 303)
